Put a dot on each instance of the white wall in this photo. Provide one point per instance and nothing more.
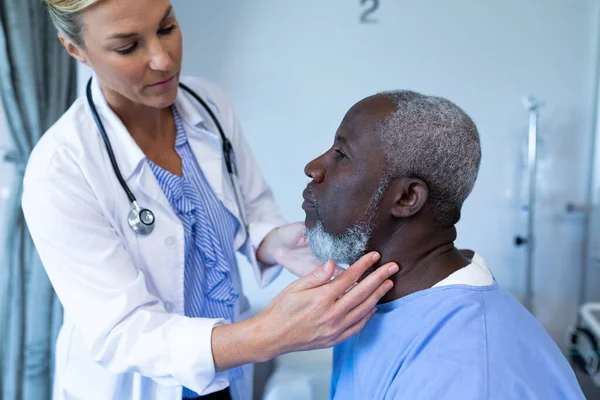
(293, 68)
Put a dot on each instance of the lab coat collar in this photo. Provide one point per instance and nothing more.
(128, 154)
(189, 109)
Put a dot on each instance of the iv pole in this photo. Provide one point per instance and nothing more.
(532, 105)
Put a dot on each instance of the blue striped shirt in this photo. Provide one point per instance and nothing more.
(209, 233)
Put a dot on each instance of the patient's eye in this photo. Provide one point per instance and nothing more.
(340, 154)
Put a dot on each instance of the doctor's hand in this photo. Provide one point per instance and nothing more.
(313, 312)
(288, 246)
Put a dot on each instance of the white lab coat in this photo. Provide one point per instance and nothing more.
(124, 334)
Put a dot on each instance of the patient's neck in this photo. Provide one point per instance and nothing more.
(425, 254)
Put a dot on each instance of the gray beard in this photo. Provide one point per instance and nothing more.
(344, 249)
(350, 246)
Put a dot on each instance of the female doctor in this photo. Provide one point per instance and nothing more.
(137, 205)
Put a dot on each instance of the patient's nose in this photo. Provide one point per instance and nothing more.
(314, 170)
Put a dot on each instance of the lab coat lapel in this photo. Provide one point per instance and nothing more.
(148, 185)
(203, 139)
(207, 149)
(205, 142)
(126, 151)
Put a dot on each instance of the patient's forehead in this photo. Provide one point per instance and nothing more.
(361, 121)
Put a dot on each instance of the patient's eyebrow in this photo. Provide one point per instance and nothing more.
(342, 140)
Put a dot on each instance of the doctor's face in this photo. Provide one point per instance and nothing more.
(343, 199)
(135, 48)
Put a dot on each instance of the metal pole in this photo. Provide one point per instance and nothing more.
(533, 107)
(590, 197)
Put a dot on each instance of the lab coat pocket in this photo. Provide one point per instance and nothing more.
(79, 369)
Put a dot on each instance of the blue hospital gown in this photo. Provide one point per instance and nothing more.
(453, 342)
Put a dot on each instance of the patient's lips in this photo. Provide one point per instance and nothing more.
(308, 203)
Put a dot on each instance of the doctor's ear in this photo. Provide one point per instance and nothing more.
(410, 195)
(73, 50)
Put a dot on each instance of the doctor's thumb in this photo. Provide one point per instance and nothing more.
(318, 277)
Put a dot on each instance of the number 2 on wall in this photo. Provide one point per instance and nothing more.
(365, 16)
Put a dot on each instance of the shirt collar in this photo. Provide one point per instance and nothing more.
(180, 136)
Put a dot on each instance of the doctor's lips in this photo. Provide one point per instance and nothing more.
(163, 84)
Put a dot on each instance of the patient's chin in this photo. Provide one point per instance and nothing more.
(346, 248)
(310, 221)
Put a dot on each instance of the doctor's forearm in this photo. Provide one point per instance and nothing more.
(241, 343)
(313, 312)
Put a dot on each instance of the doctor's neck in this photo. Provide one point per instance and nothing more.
(143, 122)
(424, 252)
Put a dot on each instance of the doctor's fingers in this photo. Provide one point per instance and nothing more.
(364, 295)
(364, 309)
(350, 276)
(316, 278)
(344, 279)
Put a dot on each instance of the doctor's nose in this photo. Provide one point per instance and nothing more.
(160, 60)
(315, 170)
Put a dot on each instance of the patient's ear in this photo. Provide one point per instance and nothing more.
(410, 195)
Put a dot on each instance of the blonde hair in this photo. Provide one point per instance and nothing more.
(66, 17)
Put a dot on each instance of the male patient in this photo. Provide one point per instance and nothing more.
(400, 168)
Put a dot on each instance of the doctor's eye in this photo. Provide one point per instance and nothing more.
(167, 30)
(127, 50)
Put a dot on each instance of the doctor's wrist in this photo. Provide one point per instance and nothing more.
(242, 343)
(267, 251)
(266, 339)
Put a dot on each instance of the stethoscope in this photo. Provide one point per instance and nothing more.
(142, 220)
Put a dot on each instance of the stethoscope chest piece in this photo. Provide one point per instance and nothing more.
(141, 220)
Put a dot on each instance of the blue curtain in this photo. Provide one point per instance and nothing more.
(37, 85)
